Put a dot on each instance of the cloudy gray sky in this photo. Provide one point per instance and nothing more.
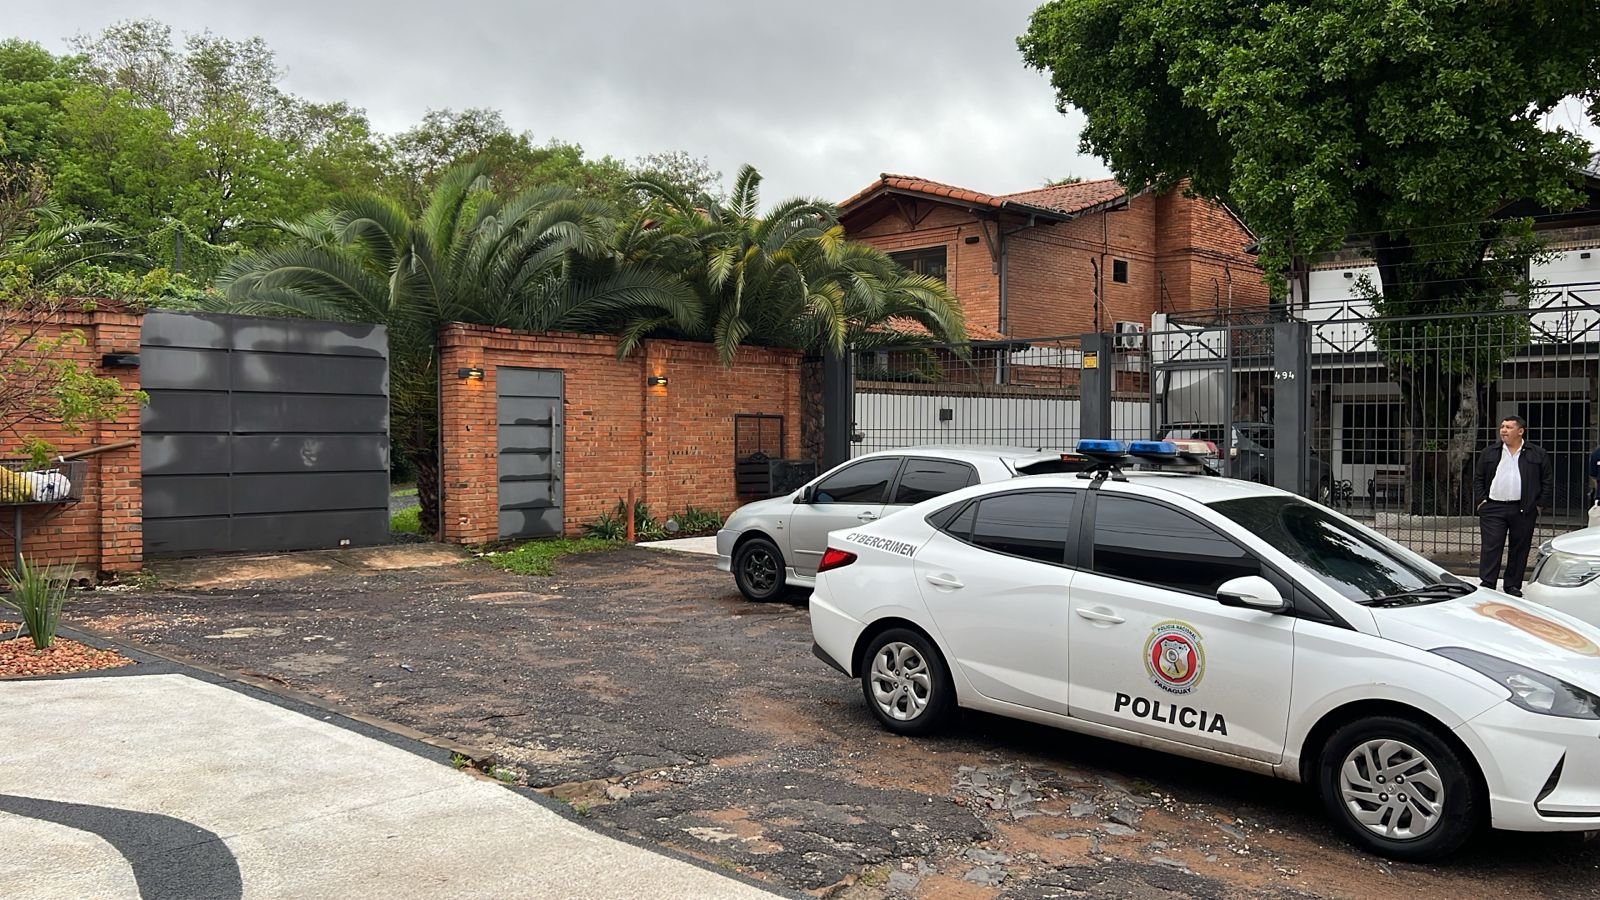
(821, 97)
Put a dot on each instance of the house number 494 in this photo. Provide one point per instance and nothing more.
(1285, 376)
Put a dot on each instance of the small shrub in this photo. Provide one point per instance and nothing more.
(645, 527)
(407, 521)
(606, 528)
(693, 520)
(38, 595)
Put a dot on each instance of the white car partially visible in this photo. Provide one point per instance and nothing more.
(1230, 622)
(772, 545)
(1566, 575)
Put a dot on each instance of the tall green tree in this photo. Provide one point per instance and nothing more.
(788, 278)
(1403, 124)
(41, 383)
(537, 261)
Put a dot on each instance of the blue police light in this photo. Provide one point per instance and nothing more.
(1161, 449)
(1102, 448)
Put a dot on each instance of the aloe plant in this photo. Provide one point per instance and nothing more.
(38, 594)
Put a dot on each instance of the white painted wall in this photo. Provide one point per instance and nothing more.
(886, 421)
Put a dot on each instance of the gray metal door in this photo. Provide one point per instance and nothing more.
(263, 434)
(528, 405)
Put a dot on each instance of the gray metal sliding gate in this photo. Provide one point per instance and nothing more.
(263, 434)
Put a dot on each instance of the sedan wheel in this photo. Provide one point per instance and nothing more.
(1392, 789)
(1400, 789)
(905, 683)
(758, 570)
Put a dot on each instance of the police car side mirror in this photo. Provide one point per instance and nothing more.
(1251, 592)
(808, 494)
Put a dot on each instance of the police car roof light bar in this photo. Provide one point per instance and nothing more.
(1106, 457)
(1153, 449)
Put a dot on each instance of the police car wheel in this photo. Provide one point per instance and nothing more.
(1398, 789)
(906, 684)
(758, 570)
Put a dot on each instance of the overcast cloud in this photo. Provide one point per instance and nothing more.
(821, 97)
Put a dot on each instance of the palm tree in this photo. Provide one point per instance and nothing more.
(37, 236)
(539, 261)
(788, 279)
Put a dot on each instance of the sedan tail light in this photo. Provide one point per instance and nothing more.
(834, 559)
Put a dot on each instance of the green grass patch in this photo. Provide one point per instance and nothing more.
(538, 557)
(407, 520)
(403, 490)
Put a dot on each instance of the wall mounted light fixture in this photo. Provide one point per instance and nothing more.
(474, 373)
(656, 381)
(120, 360)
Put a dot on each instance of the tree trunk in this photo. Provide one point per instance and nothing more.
(1463, 443)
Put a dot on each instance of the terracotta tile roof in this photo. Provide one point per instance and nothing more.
(1063, 200)
(917, 329)
(1071, 198)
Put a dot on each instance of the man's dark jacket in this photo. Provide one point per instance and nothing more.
(1538, 478)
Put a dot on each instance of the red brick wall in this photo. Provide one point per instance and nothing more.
(102, 532)
(969, 268)
(1182, 253)
(672, 444)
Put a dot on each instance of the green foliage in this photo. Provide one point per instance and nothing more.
(786, 279)
(645, 526)
(406, 521)
(608, 527)
(1327, 118)
(459, 761)
(538, 557)
(693, 520)
(38, 594)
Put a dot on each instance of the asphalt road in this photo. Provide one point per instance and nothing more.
(640, 689)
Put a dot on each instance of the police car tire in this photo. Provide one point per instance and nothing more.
(941, 705)
(741, 558)
(1464, 806)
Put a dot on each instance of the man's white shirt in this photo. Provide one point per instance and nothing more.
(1507, 484)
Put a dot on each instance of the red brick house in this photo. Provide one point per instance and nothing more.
(1025, 265)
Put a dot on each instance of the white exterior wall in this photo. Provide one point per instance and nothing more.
(908, 420)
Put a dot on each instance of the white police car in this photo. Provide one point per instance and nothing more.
(773, 544)
(1230, 622)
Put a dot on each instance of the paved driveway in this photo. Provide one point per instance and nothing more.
(168, 786)
(640, 688)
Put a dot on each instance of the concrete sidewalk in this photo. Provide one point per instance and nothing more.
(165, 785)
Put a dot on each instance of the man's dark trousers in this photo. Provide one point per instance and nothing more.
(1500, 521)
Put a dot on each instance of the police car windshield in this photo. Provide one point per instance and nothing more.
(1345, 559)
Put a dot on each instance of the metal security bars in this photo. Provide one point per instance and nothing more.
(1380, 418)
(1018, 393)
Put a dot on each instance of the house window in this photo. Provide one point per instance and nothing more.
(927, 261)
(1371, 434)
(1119, 271)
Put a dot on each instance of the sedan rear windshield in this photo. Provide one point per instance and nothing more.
(1354, 564)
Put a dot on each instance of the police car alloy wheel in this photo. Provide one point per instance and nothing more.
(1399, 789)
(758, 570)
(906, 684)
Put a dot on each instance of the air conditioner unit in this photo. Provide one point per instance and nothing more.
(1130, 336)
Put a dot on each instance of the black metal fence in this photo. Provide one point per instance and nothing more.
(1379, 417)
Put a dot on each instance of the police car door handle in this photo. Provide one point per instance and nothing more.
(866, 516)
(1101, 614)
(944, 581)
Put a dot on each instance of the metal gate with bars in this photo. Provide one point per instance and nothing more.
(263, 434)
(1378, 417)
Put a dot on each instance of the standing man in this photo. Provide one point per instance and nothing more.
(1511, 485)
